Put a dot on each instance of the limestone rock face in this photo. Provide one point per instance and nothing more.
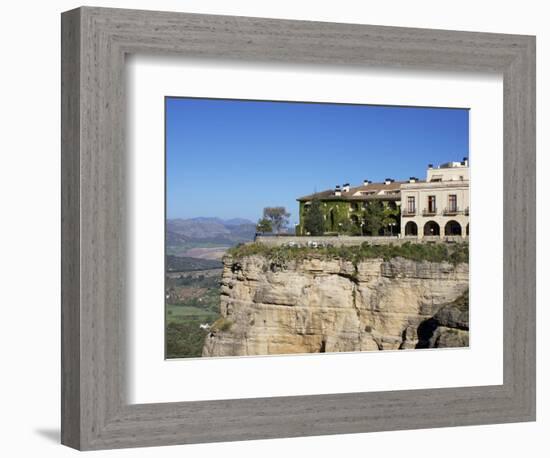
(322, 305)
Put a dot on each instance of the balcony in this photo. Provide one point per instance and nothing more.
(429, 211)
(452, 211)
(408, 212)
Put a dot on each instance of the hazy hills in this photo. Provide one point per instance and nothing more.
(207, 232)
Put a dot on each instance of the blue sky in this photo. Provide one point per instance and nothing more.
(232, 158)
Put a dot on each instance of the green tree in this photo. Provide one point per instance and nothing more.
(264, 225)
(277, 216)
(314, 221)
(348, 227)
(374, 217)
(392, 216)
(379, 216)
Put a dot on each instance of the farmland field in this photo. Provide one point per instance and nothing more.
(192, 300)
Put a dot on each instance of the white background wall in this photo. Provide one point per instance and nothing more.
(29, 227)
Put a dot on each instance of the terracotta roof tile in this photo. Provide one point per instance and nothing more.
(372, 187)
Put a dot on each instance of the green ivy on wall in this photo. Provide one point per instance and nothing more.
(352, 218)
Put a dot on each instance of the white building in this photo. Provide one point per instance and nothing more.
(439, 206)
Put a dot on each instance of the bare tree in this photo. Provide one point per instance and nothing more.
(278, 216)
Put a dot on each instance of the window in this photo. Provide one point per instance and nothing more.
(452, 203)
(410, 204)
(431, 204)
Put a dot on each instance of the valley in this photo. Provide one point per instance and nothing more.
(194, 249)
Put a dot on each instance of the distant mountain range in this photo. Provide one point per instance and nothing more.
(204, 232)
(226, 222)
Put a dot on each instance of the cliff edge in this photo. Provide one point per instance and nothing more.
(321, 304)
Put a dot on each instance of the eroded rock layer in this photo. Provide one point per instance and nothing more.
(331, 305)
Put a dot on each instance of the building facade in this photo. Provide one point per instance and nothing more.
(438, 206)
(432, 208)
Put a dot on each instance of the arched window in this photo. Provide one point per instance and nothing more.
(431, 228)
(411, 229)
(453, 228)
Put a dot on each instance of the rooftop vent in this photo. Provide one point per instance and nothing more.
(345, 187)
(366, 182)
(337, 191)
(413, 179)
(430, 166)
(388, 181)
(464, 161)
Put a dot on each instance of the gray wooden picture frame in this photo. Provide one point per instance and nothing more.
(95, 412)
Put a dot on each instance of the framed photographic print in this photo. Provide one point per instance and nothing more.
(266, 228)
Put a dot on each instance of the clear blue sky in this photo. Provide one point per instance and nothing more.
(232, 158)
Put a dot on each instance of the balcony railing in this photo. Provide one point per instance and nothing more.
(408, 212)
(450, 211)
(429, 211)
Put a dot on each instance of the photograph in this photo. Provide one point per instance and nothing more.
(299, 227)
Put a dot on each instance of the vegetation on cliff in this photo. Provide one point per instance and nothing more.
(221, 324)
(453, 253)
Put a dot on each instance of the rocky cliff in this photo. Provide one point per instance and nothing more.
(331, 305)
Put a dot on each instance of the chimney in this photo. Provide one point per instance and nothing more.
(366, 182)
(388, 181)
(412, 179)
(465, 161)
(345, 187)
(337, 191)
(430, 166)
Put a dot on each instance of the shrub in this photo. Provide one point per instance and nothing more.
(222, 324)
(264, 225)
(281, 255)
